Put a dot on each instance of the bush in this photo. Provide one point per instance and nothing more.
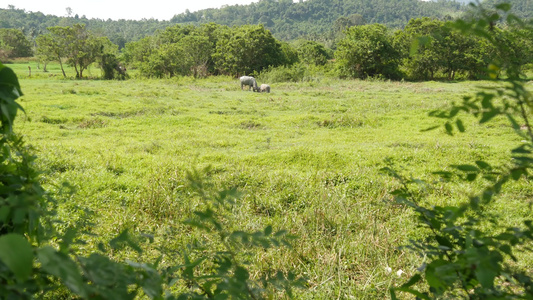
(367, 51)
(296, 73)
(467, 251)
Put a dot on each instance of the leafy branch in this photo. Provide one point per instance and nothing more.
(468, 253)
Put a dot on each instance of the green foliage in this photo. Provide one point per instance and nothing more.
(298, 72)
(286, 20)
(290, 53)
(230, 276)
(178, 50)
(9, 92)
(344, 23)
(315, 18)
(165, 61)
(437, 48)
(468, 252)
(111, 67)
(136, 53)
(74, 43)
(247, 50)
(367, 51)
(210, 48)
(311, 52)
(434, 49)
(197, 53)
(13, 43)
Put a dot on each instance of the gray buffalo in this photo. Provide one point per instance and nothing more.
(248, 81)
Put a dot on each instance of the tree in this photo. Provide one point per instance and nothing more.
(51, 47)
(290, 54)
(367, 51)
(111, 67)
(197, 52)
(343, 23)
(83, 48)
(74, 43)
(5, 51)
(14, 43)
(440, 50)
(247, 49)
(166, 61)
(136, 53)
(426, 33)
(313, 53)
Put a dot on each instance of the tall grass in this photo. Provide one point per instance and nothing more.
(307, 157)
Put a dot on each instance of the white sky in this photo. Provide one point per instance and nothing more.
(119, 9)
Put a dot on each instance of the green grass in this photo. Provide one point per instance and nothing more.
(307, 157)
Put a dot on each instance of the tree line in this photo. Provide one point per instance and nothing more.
(428, 49)
(316, 20)
(376, 51)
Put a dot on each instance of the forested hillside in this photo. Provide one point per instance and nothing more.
(288, 20)
(314, 19)
(521, 8)
(119, 31)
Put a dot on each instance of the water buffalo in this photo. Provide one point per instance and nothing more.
(264, 88)
(248, 81)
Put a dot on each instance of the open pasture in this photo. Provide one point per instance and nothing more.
(306, 157)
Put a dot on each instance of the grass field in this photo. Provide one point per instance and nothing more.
(306, 156)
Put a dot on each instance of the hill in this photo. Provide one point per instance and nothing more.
(118, 31)
(287, 20)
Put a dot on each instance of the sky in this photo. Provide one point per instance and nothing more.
(119, 9)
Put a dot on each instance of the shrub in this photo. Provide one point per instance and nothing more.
(468, 252)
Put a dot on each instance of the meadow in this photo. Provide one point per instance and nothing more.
(307, 158)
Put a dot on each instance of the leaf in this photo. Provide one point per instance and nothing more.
(16, 252)
(485, 275)
(454, 111)
(434, 277)
(418, 294)
(505, 236)
(447, 245)
(241, 274)
(506, 249)
(9, 91)
(416, 278)
(62, 267)
(8, 78)
(4, 213)
(280, 233)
